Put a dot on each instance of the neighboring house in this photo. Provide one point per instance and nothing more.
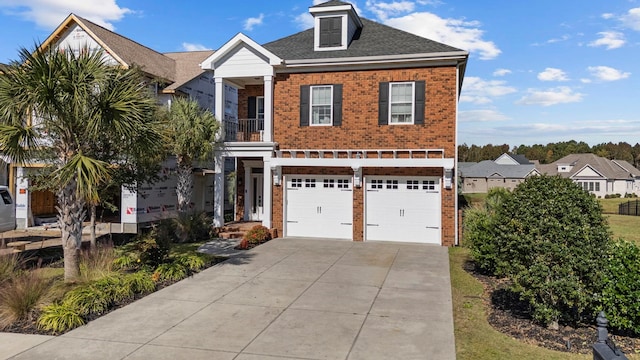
(346, 130)
(168, 75)
(507, 171)
(598, 175)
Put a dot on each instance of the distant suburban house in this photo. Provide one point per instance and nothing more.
(507, 171)
(598, 175)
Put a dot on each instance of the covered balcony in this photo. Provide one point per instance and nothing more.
(243, 130)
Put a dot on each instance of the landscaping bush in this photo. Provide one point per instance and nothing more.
(20, 295)
(150, 249)
(478, 230)
(59, 318)
(621, 293)
(257, 235)
(173, 271)
(551, 241)
(192, 227)
(140, 282)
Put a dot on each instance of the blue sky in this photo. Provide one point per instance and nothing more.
(539, 71)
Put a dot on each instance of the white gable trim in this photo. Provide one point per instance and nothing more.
(533, 172)
(577, 173)
(239, 40)
(507, 158)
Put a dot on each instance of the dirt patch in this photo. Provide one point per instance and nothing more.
(509, 315)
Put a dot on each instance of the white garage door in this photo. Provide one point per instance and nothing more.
(319, 206)
(403, 209)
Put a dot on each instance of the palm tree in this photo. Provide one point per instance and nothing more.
(192, 132)
(55, 106)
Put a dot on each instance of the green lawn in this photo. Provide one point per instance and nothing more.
(475, 338)
(610, 206)
(626, 227)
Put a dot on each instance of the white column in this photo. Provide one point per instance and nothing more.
(218, 190)
(247, 193)
(268, 108)
(22, 201)
(219, 107)
(266, 194)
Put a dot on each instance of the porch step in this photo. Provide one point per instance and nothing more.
(232, 235)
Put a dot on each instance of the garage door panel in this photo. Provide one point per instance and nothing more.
(403, 209)
(319, 206)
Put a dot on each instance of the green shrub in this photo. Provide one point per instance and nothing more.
(478, 233)
(172, 271)
(140, 282)
(551, 241)
(59, 318)
(20, 295)
(621, 293)
(257, 235)
(193, 262)
(85, 300)
(192, 227)
(151, 251)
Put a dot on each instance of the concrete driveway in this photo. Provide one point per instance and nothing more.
(286, 299)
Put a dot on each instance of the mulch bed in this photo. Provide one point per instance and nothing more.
(507, 314)
(30, 326)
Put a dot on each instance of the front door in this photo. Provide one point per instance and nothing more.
(256, 196)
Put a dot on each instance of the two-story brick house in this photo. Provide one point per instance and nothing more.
(346, 130)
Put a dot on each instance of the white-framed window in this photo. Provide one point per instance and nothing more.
(321, 105)
(296, 183)
(401, 106)
(376, 184)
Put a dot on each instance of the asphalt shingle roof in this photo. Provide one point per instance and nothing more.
(131, 52)
(187, 66)
(332, 3)
(611, 169)
(374, 39)
(488, 168)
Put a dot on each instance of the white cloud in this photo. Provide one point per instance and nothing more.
(50, 13)
(609, 39)
(252, 22)
(501, 72)
(632, 19)
(460, 33)
(585, 81)
(553, 96)
(193, 47)
(552, 74)
(606, 73)
(384, 10)
(304, 21)
(481, 116)
(478, 91)
(560, 39)
(607, 16)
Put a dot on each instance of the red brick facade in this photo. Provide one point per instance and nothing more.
(360, 130)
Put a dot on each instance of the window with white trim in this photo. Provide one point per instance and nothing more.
(329, 183)
(309, 183)
(376, 184)
(392, 184)
(343, 184)
(296, 183)
(401, 96)
(321, 105)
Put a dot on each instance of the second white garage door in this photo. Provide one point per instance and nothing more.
(403, 209)
(319, 206)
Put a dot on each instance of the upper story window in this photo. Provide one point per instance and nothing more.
(331, 32)
(321, 105)
(321, 100)
(401, 103)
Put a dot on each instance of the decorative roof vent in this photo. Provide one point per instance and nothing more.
(335, 24)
